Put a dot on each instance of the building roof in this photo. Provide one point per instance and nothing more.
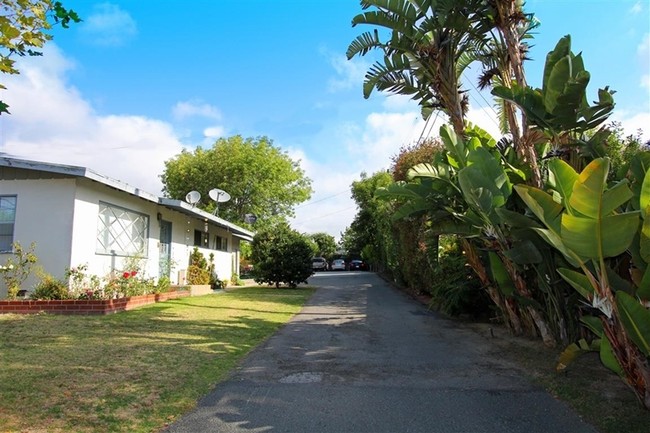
(62, 170)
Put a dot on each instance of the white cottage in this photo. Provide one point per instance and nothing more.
(76, 216)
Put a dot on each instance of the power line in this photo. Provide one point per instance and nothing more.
(326, 215)
(322, 199)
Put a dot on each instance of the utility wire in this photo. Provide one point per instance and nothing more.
(326, 215)
(322, 199)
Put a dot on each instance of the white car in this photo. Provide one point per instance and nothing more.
(338, 265)
(318, 264)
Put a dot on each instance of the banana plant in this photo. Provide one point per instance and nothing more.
(480, 180)
(592, 223)
(560, 108)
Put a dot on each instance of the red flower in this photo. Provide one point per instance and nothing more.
(133, 273)
(126, 274)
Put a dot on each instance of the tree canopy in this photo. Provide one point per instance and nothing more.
(325, 242)
(281, 255)
(260, 178)
(23, 30)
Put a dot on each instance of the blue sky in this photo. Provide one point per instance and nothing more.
(139, 80)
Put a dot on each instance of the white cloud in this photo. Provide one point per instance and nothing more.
(214, 132)
(349, 73)
(366, 147)
(636, 8)
(108, 25)
(187, 109)
(51, 122)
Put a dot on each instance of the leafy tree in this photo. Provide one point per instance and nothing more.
(430, 43)
(260, 178)
(23, 30)
(281, 255)
(326, 244)
(370, 234)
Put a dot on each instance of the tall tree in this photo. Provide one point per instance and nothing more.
(24, 26)
(370, 231)
(422, 52)
(260, 178)
(326, 244)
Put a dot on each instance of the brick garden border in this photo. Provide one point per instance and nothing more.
(87, 306)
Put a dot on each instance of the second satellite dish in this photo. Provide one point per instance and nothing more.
(193, 197)
(219, 195)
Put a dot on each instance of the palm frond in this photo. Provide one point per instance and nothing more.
(363, 43)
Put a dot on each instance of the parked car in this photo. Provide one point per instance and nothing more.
(358, 265)
(318, 264)
(338, 265)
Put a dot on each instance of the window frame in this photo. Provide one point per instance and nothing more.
(12, 223)
(103, 232)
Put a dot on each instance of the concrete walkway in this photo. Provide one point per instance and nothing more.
(362, 357)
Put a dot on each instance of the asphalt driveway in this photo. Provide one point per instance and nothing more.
(363, 357)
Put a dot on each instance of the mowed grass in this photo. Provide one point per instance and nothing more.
(134, 371)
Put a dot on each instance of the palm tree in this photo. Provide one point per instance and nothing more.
(421, 56)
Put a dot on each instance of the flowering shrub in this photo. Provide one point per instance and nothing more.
(128, 283)
(81, 285)
(16, 269)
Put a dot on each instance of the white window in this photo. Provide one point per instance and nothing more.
(121, 231)
(7, 220)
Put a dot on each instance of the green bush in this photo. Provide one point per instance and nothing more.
(454, 288)
(281, 255)
(197, 275)
(50, 289)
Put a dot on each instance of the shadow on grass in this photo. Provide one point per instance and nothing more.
(128, 371)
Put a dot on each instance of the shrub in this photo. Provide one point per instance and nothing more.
(16, 270)
(164, 283)
(50, 289)
(454, 288)
(197, 275)
(281, 255)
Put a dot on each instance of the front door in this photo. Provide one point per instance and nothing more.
(164, 263)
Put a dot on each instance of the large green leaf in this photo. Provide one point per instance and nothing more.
(524, 253)
(644, 197)
(456, 150)
(608, 358)
(589, 187)
(500, 275)
(516, 219)
(542, 205)
(554, 240)
(594, 324)
(636, 320)
(596, 238)
(528, 99)
(562, 177)
(561, 50)
(580, 282)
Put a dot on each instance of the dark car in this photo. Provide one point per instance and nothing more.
(358, 265)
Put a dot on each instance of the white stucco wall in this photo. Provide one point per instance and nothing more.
(61, 216)
(44, 216)
(84, 238)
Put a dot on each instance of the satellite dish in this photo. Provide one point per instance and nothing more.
(219, 195)
(193, 197)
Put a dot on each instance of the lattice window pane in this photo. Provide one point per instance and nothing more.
(121, 231)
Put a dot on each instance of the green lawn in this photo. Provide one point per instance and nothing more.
(132, 371)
